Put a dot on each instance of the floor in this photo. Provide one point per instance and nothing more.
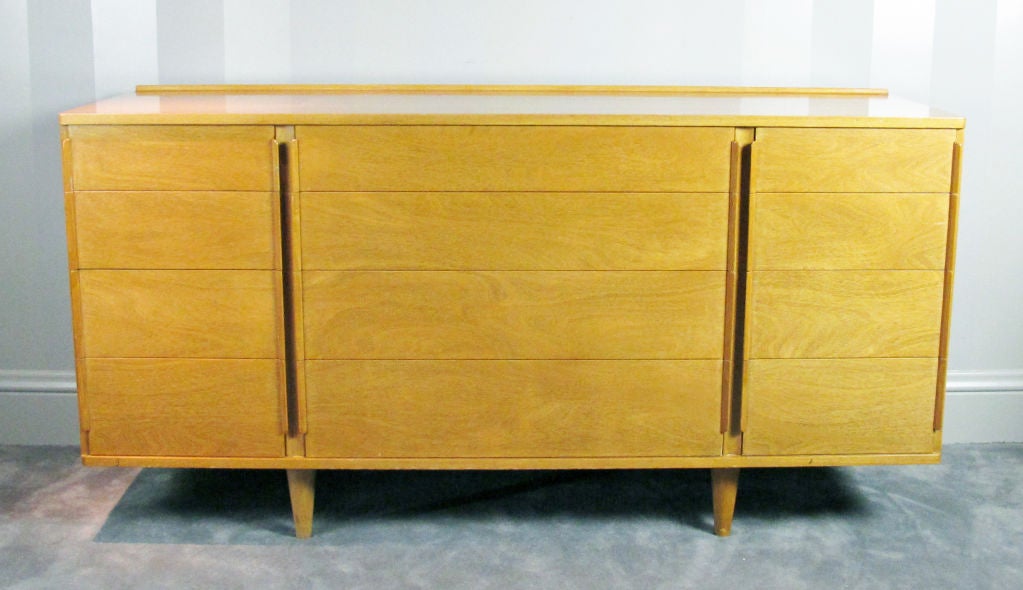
(954, 525)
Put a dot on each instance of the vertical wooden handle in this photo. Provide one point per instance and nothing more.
(950, 261)
(746, 284)
(291, 269)
(730, 291)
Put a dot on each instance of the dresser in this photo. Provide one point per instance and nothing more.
(481, 277)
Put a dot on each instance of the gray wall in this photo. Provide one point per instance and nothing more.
(959, 55)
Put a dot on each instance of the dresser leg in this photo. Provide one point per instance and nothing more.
(302, 487)
(724, 485)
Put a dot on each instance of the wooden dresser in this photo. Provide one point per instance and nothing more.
(347, 277)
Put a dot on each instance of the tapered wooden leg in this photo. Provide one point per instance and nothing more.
(724, 484)
(302, 487)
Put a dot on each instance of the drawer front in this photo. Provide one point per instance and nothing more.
(513, 158)
(172, 157)
(184, 407)
(850, 314)
(839, 406)
(179, 313)
(513, 408)
(848, 231)
(853, 160)
(514, 315)
(514, 231)
(202, 230)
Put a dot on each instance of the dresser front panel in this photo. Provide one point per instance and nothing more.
(513, 158)
(844, 314)
(853, 160)
(424, 277)
(846, 289)
(172, 157)
(840, 406)
(176, 259)
(185, 407)
(179, 313)
(528, 408)
(514, 231)
(848, 231)
(176, 230)
(514, 315)
(513, 291)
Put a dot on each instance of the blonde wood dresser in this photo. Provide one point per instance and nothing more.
(350, 277)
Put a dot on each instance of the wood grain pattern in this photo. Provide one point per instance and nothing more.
(853, 160)
(566, 254)
(848, 231)
(69, 202)
(839, 406)
(724, 487)
(439, 110)
(950, 261)
(735, 280)
(302, 489)
(514, 231)
(291, 224)
(939, 401)
(72, 263)
(432, 463)
(172, 157)
(851, 314)
(176, 230)
(79, 350)
(277, 207)
(524, 158)
(514, 315)
(184, 407)
(66, 171)
(179, 313)
(513, 408)
(573, 107)
(145, 89)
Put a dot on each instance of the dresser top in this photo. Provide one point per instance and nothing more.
(511, 105)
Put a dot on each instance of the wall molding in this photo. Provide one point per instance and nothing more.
(984, 406)
(41, 407)
(64, 381)
(15, 381)
(38, 408)
(984, 381)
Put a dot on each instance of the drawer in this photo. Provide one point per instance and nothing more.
(514, 315)
(792, 231)
(179, 313)
(853, 160)
(203, 230)
(184, 407)
(839, 406)
(850, 314)
(513, 408)
(513, 158)
(514, 231)
(172, 157)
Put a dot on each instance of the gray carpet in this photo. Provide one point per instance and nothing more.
(955, 525)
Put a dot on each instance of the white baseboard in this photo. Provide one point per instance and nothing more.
(40, 407)
(983, 406)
